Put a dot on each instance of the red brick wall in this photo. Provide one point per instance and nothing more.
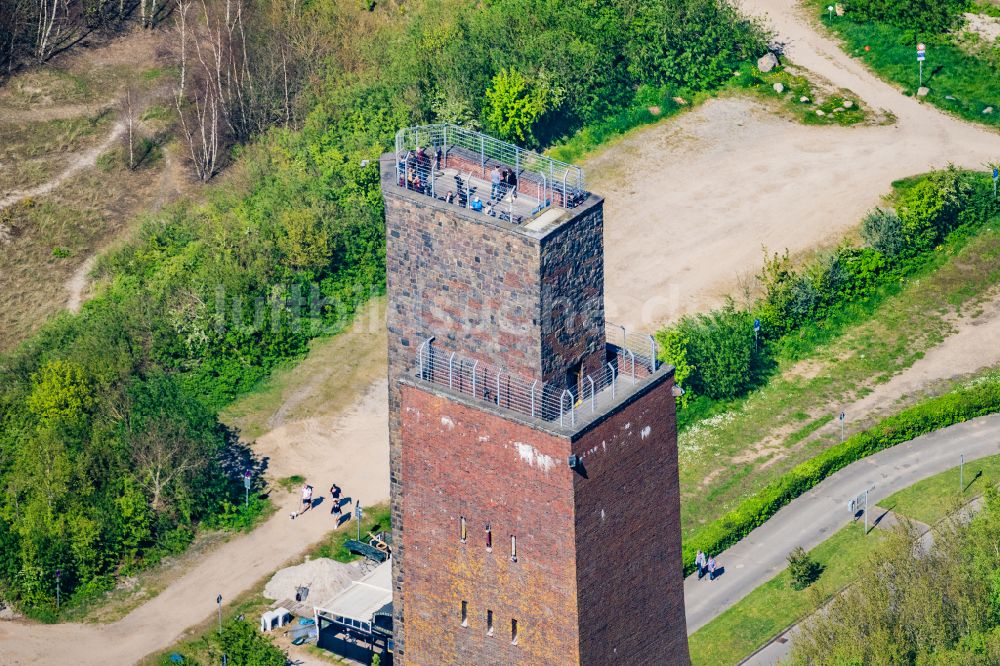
(477, 286)
(465, 461)
(631, 587)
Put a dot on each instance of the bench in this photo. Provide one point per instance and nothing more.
(367, 551)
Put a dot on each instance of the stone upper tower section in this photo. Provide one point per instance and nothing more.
(507, 268)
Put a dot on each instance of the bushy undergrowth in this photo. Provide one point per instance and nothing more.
(967, 402)
(717, 356)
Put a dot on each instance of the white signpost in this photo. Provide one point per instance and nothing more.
(860, 500)
(921, 55)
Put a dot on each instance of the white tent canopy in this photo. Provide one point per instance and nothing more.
(355, 606)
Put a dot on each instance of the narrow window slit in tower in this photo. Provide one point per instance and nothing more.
(465, 613)
(513, 548)
(513, 632)
(463, 530)
(489, 623)
(489, 538)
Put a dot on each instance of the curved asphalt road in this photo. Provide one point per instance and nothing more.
(810, 519)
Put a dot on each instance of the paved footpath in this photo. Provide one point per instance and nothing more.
(810, 519)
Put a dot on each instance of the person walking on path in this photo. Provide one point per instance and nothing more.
(711, 568)
(495, 182)
(307, 498)
(335, 500)
(699, 561)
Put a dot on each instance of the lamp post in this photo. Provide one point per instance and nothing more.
(58, 586)
(842, 417)
(218, 600)
(829, 8)
(357, 517)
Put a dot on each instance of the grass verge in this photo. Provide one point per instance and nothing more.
(375, 519)
(775, 605)
(729, 456)
(930, 500)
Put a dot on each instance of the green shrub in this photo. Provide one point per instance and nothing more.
(802, 569)
(882, 230)
(244, 645)
(673, 349)
(926, 16)
(720, 351)
(965, 403)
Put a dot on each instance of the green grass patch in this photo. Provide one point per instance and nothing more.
(290, 483)
(932, 499)
(650, 106)
(772, 607)
(375, 519)
(962, 78)
(798, 96)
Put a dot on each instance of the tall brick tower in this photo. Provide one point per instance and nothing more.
(533, 447)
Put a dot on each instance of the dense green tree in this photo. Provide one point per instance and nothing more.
(917, 606)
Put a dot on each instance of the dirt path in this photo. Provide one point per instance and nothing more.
(353, 449)
(64, 112)
(77, 284)
(78, 162)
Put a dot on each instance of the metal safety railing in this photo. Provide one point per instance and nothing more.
(422, 150)
(532, 398)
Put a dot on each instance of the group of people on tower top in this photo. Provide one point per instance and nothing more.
(416, 171)
(502, 182)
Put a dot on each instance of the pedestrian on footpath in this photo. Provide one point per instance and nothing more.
(307, 498)
(335, 500)
(699, 561)
(711, 568)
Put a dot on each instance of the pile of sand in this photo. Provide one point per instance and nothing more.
(325, 578)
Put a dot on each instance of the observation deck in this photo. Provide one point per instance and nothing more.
(632, 366)
(487, 176)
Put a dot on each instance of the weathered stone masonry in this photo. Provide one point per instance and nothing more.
(597, 578)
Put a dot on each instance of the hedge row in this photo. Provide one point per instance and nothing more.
(962, 404)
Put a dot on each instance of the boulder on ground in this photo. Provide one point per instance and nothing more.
(848, 104)
(778, 87)
(922, 91)
(804, 99)
(988, 110)
(767, 62)
(820, 112)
